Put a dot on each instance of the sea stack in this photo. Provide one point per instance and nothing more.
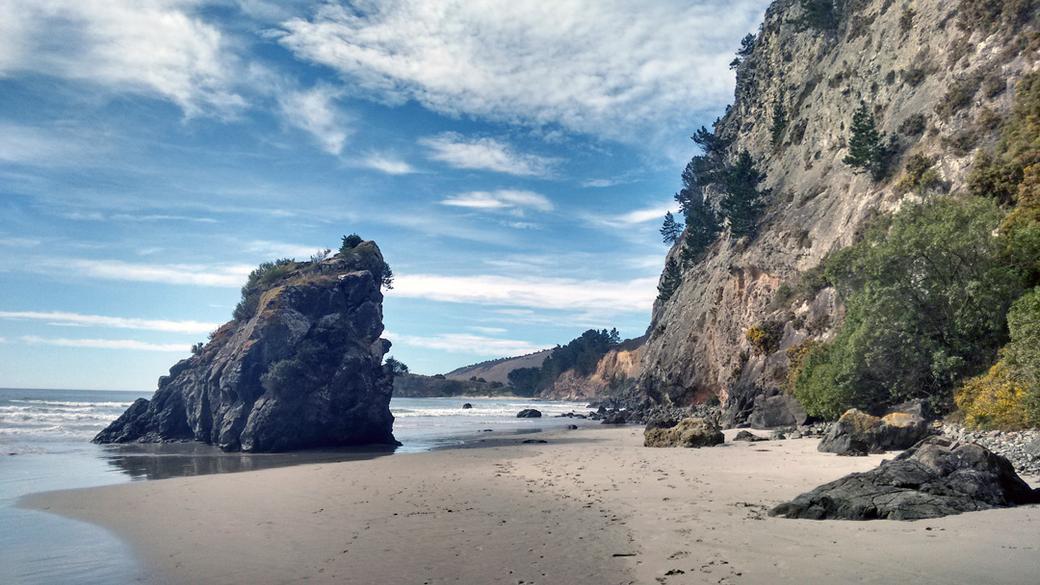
(299, 367)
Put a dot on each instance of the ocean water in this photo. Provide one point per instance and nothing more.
(45, 445)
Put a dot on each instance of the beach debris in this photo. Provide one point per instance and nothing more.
(937, 477)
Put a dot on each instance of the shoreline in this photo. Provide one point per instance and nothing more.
(590, 506)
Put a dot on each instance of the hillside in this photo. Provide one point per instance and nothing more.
(498, 370)
(937, 76)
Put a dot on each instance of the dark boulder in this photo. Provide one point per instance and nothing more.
(690, 432)
(529, 413)
(937, 477)
(300, 368)
(859, 433)
(467, 406)
(781, 410)
(572, 427)
(617, 417)
(749, 437)
(534, 441)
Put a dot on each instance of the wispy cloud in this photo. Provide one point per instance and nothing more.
(593, 66)
(79, 319)
(126, 344)
(174, 274)
(315, 112)
(533, 292)
(502, 199)
(633, 218)
(136, 217)
(386, 163)
(161, 48)
(487, 154)
(271, 250)
(16, 242)
(478, 345)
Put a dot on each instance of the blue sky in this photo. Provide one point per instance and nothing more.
(512, 159)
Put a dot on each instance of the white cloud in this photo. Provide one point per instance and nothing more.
(79, 319)
(635, 295)
(131, 344)
(502, 199)
(385, 163)
(152, 47)
(633, 218)
(486, 154)
(15, 242)
(467, 343)
(314, 111)
(136, 217)
(232, 276)
(599, 183)
(605, 67)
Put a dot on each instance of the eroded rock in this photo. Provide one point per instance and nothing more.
(690, 432)
(938, 477)
(859, 433)
(301, 368)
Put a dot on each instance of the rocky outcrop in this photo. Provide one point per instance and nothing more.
(859, 433)
(938, 477)
(779, 410)
(620, 367)
(748, 437)
(300, 368)
(529, 413)
(904, 65)
(690, 432)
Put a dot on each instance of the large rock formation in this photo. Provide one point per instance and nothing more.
(938, 477)
(689, 433)
(859, 433)
(906, 65)
(301, 367)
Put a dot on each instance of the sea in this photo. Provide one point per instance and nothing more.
(45, 445)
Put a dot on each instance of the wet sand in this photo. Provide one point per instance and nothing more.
(591, 506)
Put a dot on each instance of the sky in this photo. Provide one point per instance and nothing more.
(513, 160)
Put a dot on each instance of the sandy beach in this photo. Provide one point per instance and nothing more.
(591, 506)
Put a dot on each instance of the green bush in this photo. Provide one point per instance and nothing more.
(926, 297)
(958, 96)
(919, 176)
(260, 279)
(914, 125)
(349, 243)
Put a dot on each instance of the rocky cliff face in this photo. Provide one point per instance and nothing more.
(936, 80)
(620, 366)
(301, 368)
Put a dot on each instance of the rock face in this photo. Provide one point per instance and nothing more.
(780, 410)
(903, 65)
(620, 366)
(858, 433)
(938, 477)
(303, 369)
(690, 432)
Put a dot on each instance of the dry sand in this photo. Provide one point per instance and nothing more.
(591, 507)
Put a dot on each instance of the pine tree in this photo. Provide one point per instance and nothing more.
(702, 228)
(868, 151)
(670, 280)
(779, 122)
(742, 203)
(671, 231)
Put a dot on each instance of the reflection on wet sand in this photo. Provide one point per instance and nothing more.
(160, 461)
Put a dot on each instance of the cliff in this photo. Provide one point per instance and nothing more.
(935, 74)
(300, 367)
(619, 367)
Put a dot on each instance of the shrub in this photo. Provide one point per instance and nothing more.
(818, 14)
(926, 297)
(959, 96)
(994, 400)
(779, 124)
(915, 76)
(988, 15)
(260, 279)
(796, 357)
(994, 84)
(349, 243)
(914, 125)
(765, 337)
(196, 348)
(906, 20)
(1008, 396)
(919, 176)
(994, 179)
